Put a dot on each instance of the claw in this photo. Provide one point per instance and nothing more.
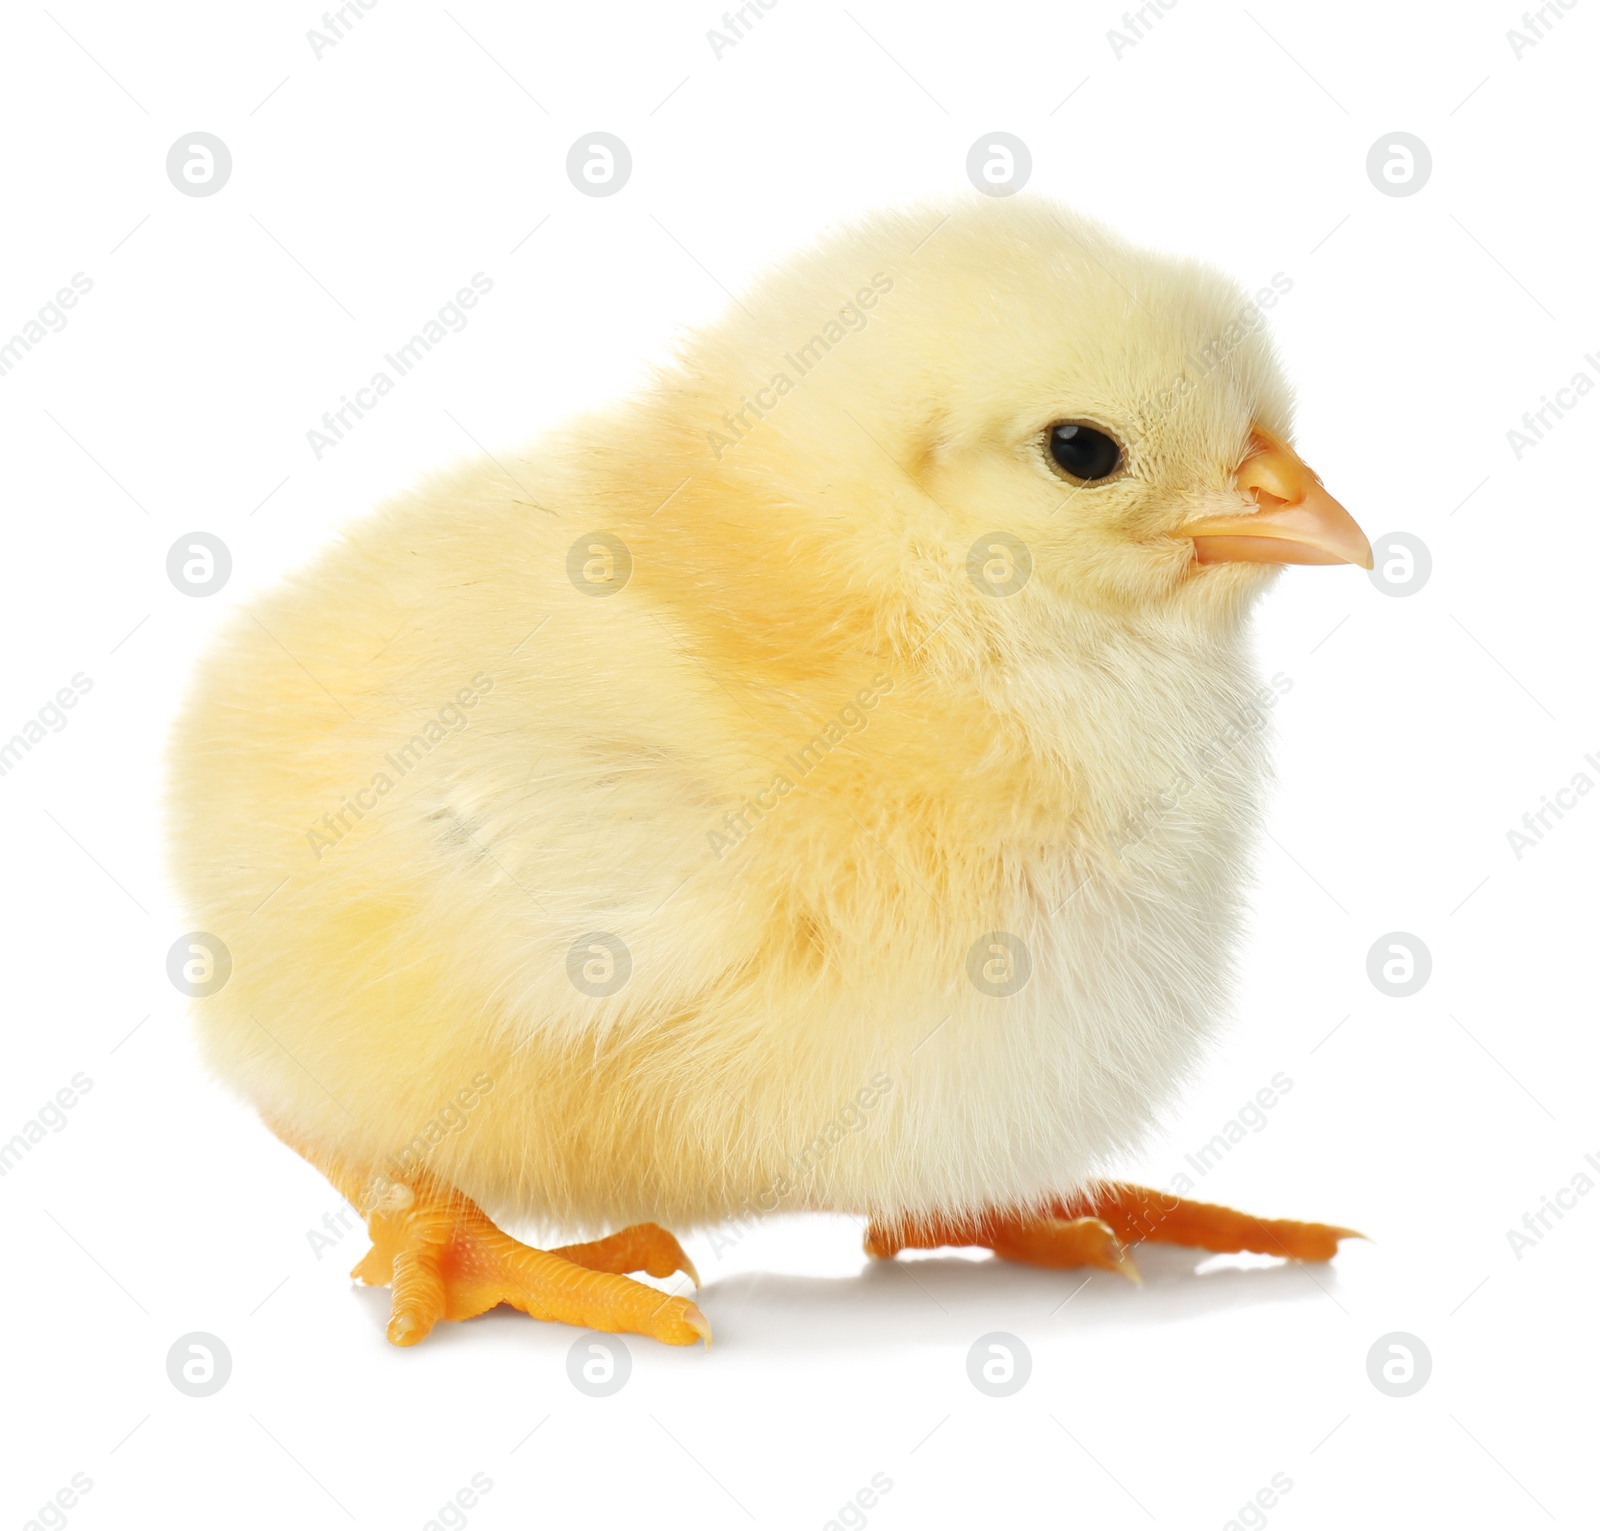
(696, 1320)
(1095, 1231)
(445, 1260)
(1318, 1241)
(1123, 1265)
(408, 1329)
(1136, 1213)
(1111, 1255)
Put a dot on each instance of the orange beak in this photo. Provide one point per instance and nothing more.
(1298, 520)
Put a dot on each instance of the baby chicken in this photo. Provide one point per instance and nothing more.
(824, 781)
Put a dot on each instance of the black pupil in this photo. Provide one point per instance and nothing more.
(1083, 451)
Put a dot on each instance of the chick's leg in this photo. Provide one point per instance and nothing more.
(443, 1258)
(1093, 1229)
(1059, 1243)
(1137, 1214)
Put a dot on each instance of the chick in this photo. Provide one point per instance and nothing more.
(823, 781)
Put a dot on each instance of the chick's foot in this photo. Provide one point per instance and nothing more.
(1137, 1214)
(1093, 1230)
(1058, 1243)
(646, 1247)
(444, 1259)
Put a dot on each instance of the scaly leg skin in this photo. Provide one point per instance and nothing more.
(1060, 1243)
(1160, 1216)
(444, 1259)
(1093, 1230)
(646, 1247)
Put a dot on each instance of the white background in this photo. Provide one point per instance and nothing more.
(368, 185)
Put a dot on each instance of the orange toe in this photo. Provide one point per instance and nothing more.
(1136, 1213)
(646, 1247)
(1065, 1244)
(1091, 1229)
(444, 1259)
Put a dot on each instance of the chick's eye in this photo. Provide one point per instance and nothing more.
(1083, 452)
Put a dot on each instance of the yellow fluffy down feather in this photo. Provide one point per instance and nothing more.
(656, 823)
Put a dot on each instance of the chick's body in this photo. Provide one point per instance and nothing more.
(683, 820)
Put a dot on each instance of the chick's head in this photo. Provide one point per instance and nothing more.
(1009, 395)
